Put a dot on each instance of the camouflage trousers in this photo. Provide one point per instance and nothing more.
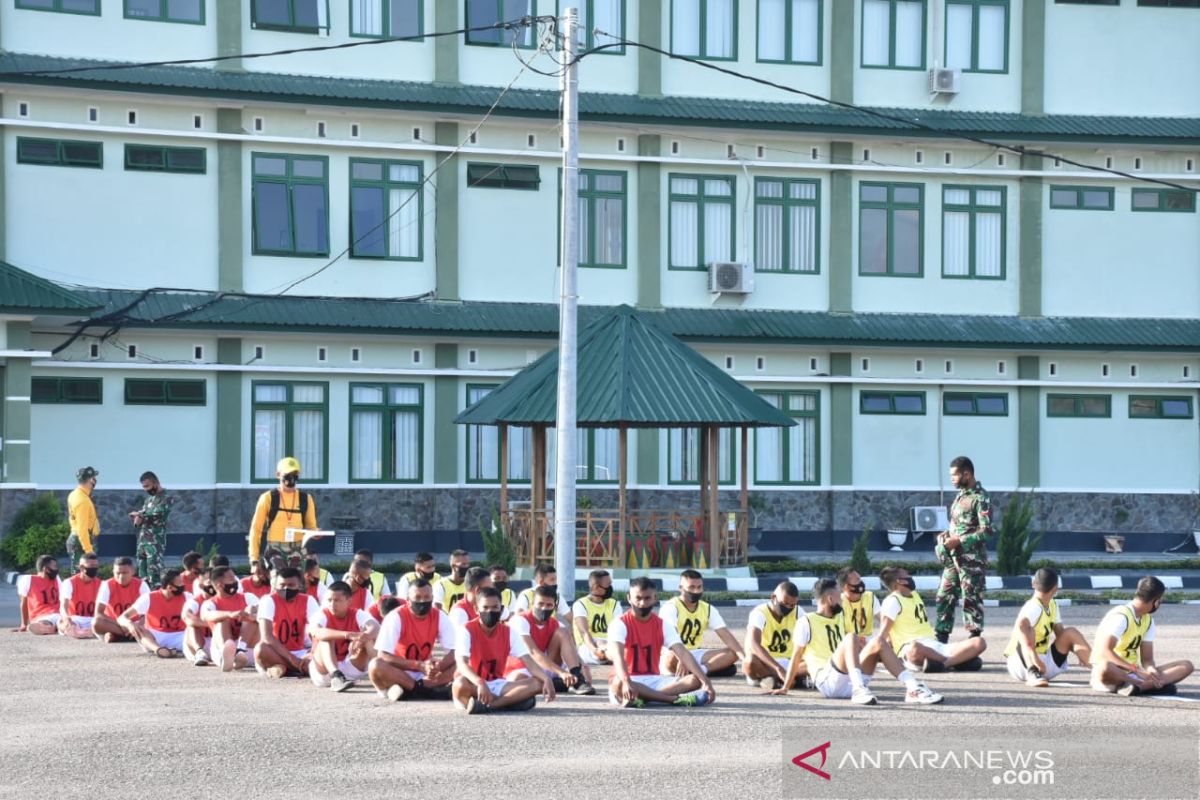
(969, 582)
(278, 555)
(75, 550)
(149, 557)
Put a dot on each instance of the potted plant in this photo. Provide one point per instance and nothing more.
(898, 535)
(756, 502)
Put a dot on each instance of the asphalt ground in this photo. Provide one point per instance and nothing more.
(84, 719)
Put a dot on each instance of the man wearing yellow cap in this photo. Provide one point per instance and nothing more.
(81, 511)
(277, 510)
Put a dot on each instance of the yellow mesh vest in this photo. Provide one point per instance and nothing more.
(598, 618)
(912, 623)
(1043, 629)
(826, 635)
(777, 635)
(691, 625)
(859, 617)
(1129, 646)
(454, 593)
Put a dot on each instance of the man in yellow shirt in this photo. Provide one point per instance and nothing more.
(277, 510)
(81, 511)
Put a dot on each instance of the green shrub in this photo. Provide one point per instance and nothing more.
(860, 558)
(38, 529)
(1016, 543)
(496, 546)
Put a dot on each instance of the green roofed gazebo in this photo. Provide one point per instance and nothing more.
(631, 374)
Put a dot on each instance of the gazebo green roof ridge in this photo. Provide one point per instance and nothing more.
(633, 374)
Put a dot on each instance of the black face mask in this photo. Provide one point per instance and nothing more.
(693, 597)
(543, 614)
(91, 572)
(858, 588)
(175, 590)
(489, 618)
(836, 609)
(428, 576)
(642, 613)
(606, 592)
(910, 583)
(51, 574)
(499, 586)
(289, 593)
(459, 572)
(421, 608)
(780, 609)
(290, 481)
(230, 589)
(209, 590)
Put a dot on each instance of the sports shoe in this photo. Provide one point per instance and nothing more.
(276, 671)
(806, 682)
(1130, 690)
(691, 699)
(862, 696)
(338, 682)
(1034, 677)
(395, 692)
(583, 687)
(932, 666)
(634, 702)
(770, 682)
(973, 664)
(525, 705)
(922, 696)
(202, 659)
(474, 706)
(752, 682)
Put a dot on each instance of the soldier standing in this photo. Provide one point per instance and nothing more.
(151, 523)
(962, 549)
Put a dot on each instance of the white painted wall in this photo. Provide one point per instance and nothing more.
(895, 450)
(990, 442)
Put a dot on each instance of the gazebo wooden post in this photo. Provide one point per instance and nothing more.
(745, 498)
(623, 478)
(714, 499)
(702, 451)
(537, 500)
(503, 473)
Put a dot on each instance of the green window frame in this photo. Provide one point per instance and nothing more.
(589, 24)
(590, 471)
(488, 12)
(90, 8)
(787, 210)
(601, 244)
(801, 443)
(382, 416)
(482, 467)
(888, 203)
(303, 16)
(525, 177)
(975, 404)
(1089, 2)
(702, 51)
(787, 29)
(1172, 201)
(414, 10)
(977, 8)
(399, 206)
(683, 457)
(60, 152)
(67, 391)
(1082, 198)
(902, 403)
(893, 58)
(971, 217)
(161, 392)
(1160, 407)
(165, 11)
(705, 194)
(155, 158)
(289, 180)
(1079, 405)
(289, 418)
(1169, 3)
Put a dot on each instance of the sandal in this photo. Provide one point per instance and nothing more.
(166, 652)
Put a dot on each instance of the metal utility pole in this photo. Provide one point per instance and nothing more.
(564, 492)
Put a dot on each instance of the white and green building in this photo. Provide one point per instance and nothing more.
(327, 255)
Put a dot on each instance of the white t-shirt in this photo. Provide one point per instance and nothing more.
(617, 632)
(210, 605)
(670, 614)
(361, 618)
(579, 611)
(458, 616)
(439, 590)
(891, 607)
(393, 626)
(1032, 611)
(802, 633)
(522, 604)
(462, 643)
(66, 589)
(23, 582)
(1115, 623)
(104, 595)
(758, 619)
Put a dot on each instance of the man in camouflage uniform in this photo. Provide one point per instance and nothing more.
(962, 549)
(151, 523)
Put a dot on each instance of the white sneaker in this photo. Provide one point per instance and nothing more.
(862, 697)
(923, 696)
(202, 659)
(1036, 678)
(395, 692)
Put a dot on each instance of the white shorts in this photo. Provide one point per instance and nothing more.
(697, 654)
(300, 654)
(83, 623)
(345, 667)
(655, 683)
(497, 686)
(586, 655)
(219, 655)
(836, 685)
(931, 643)
(1017, 669)
(51, 618)
(169, 640)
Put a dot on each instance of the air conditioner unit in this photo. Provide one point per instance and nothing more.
(730, 277)
(928, 519)
(944, 81)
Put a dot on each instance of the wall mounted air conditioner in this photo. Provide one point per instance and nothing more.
(928, 519)
(944, 81)
(730, 277)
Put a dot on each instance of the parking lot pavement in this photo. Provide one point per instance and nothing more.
(94, 720)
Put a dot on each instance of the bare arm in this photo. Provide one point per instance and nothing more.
(754, 647)
(730, 641)
(793, 669)
(687, 660)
